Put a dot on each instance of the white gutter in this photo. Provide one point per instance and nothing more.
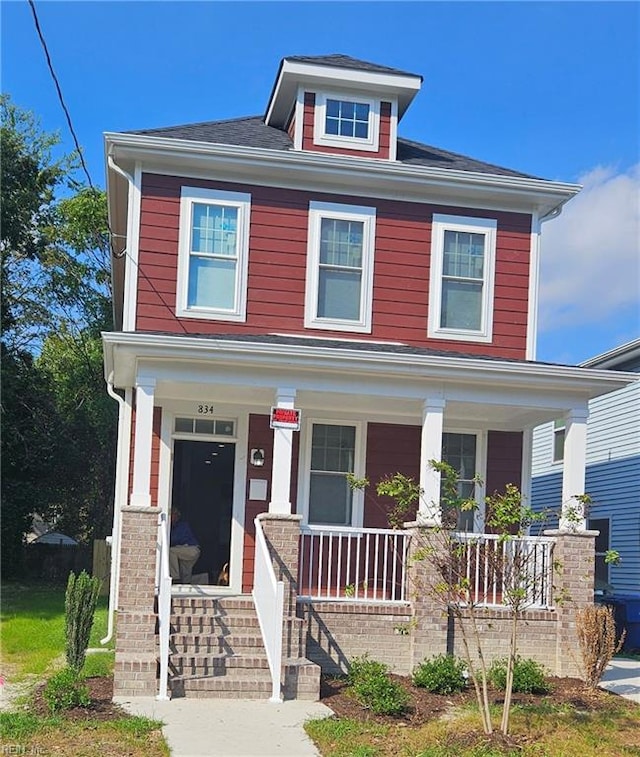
(116, 531)
(465, 369)
(356, 169)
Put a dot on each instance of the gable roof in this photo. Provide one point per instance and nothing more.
(346, 61)
(252, 131)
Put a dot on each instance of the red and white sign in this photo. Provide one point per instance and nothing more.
(285, 417)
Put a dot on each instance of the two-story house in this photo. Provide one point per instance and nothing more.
(299, 296)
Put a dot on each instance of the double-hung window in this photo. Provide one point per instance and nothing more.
(603, 525)
(347, 121)
(214, 251)
(459, 451)
(333, 451)
(559, 431)
(340, 267)
(462, 277)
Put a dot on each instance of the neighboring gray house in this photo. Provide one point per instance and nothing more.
(612, 472)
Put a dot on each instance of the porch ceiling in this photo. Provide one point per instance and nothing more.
(386, 383)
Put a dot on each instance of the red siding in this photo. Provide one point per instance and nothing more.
(277, 266)
(504, 460)
(261, 437)
(384, 139)
(155, 454)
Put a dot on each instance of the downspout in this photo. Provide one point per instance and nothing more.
(116, 530)
(112, 164)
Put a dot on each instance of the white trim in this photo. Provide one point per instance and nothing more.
(488, 228)
(304, 465)
(429, 512)
(141, 486)
(534, 288)
(132, 251)
(393, 129)
(282, 457)
(298, 125)
(320, 136)
(573, 470)
(344, 173)
(367, 216)
(242, 202)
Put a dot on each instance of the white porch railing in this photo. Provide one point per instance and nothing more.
(353, 564)
(163, 591)
(496, 570)
(268, 597)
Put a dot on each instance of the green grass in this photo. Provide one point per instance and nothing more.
(32, 625)
(543, 730)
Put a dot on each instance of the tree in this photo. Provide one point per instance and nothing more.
(58, 423)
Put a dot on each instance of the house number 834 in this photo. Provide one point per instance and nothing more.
(205, 409)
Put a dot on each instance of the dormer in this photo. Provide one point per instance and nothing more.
(340, 105)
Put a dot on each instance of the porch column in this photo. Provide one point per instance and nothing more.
(430, 449)
(141, 490)
(282, 453)
(573, 472)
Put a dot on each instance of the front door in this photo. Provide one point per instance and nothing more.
(203, 492)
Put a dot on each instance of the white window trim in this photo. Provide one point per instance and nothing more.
(556, 428)
(320, 137)
(487, 227)
(239, 200)
(359, 464)
(318, 211)
(482, 445)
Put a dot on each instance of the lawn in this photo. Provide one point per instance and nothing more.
(32, 624)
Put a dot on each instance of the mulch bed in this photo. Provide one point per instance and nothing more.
(101, 707)
(425, 706)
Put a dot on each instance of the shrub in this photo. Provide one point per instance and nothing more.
(444, 674)
(65, 690)
(373, 688)
(528, 676)
(596, 629)
(80, 605)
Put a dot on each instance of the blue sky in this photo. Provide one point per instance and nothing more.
(547, 88)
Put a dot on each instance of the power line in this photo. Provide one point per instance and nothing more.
(112, 235)
(59, 91)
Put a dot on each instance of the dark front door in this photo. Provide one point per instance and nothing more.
(203, 491)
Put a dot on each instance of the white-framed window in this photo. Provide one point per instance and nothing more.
(461, 452)
(213, 254)
(331, 450)
(347, 120)
(462, 278)
(559, 431)
(339, 286)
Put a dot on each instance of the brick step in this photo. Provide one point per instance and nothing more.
(222, 687)
(217, 664)
(211, 643)
(215, 620)
(200, 605)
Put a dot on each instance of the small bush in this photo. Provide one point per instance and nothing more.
(596, 630)
(373, 688)
(528, 676)
(65, 690)
(444, 674)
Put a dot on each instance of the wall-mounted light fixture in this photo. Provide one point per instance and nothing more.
(257, 457)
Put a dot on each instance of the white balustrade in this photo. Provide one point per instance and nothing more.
(164, 604)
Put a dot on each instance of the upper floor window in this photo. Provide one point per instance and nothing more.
(462, 274)
(340, 267)
(213, 254)
(347, 121)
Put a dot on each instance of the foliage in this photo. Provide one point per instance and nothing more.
(80, 605)
(444, 674)
(371, 685)
(405, 494)
(596, 631)
(64, 690)
(528, 676)
(59, 425)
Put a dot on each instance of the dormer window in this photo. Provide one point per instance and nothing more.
(347, 121)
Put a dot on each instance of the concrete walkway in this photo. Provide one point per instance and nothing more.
(622, 676)
(243, 728)
(231, 727)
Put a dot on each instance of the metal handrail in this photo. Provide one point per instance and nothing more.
(164, 605)
(268, 597)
